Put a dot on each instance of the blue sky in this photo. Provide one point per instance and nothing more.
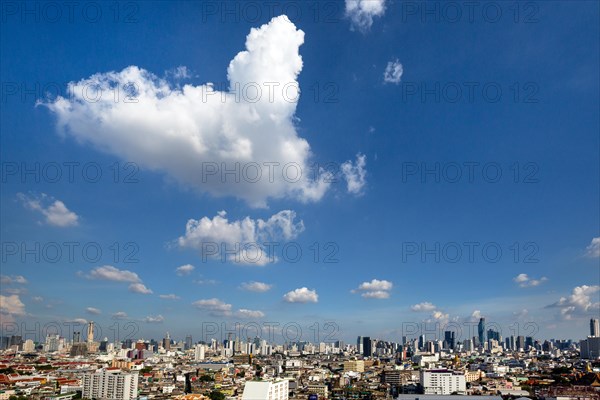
(387, 93)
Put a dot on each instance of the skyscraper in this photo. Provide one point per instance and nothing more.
(367, 351)
(481, 331)
(167, 342)
(449, 338)
(594, 327)
(359, 345)
(90, 332)
(188, 342)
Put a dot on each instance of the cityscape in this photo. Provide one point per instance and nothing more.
(299, 200)
(253, 368)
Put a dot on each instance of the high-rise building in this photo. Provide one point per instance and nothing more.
(167, 342)
(359, 345)
(481, 331)
(90, 332)
(590, 348)
(520, 343)
(188, 342)
(449, 338)
(367, 350)
(76, 337)
(199, 353)
(110, 383)
(492, 334)
(528, 343)
(594, 327)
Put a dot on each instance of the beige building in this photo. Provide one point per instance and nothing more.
(354, 365)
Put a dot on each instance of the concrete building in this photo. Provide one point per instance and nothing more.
(266, 390)
(199, 353)
(110, 383)
(443, 382)
(354, 365)
(590, 348)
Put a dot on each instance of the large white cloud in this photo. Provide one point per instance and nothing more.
(215, 306)
(11, 306)
(376, 289)
(196, 133)
(362, 12)
(240, 241)
(301, 295)
(593, 249)
(55, 211)
(583, 301)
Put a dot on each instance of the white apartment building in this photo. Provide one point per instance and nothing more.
(199, 353)
(110, 383)
(266, 390)
(443, 382)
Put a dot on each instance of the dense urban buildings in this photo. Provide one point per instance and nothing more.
(422, 366)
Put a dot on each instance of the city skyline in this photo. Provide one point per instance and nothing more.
(334, 165)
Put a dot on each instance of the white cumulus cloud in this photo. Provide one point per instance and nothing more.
(355, 174)
(241, 241)
(393, 72)
(55, 211)
(245, 313)
(376, 289)
(259, 287)
(139, 288)
(301, 295)
(593, 249)
(362, 12)
(215, 306)
(424, 306)
(11, 305)
(196, 133)
(583, 301)
(185, 269)
(110, 273)
(93, 311)
(169, 297)
(525, 280)
(13, 279)
(120, 315)
(154, 319)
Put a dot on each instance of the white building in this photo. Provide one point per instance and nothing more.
(199, 353)
(110, 383)
(443, 382)
(266, 390)
(28, 346)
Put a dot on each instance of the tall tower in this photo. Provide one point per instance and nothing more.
(594, 327)
(90, 332)
(167, 342)
(481, 331)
